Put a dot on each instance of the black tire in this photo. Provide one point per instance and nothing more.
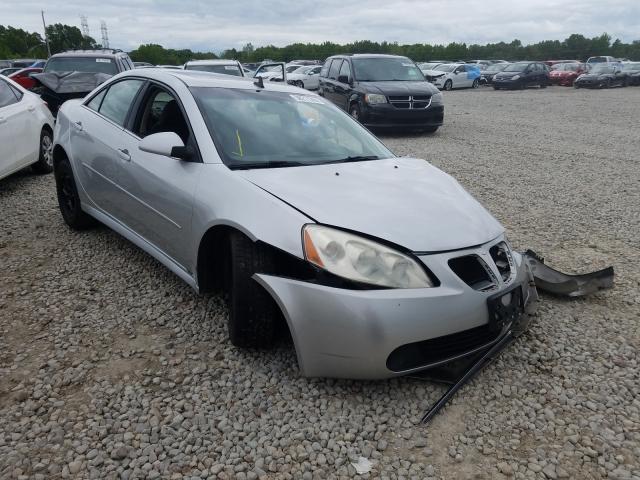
(69, 200)
(448, 85)
(45, 154)
(430, 129)
(476, 83)
(253, 314)
(354, 111)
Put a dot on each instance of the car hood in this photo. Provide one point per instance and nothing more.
(507, 74)
(402, 200)
(434, 73)
(399, 88)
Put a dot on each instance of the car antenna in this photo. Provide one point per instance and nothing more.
(259, 82)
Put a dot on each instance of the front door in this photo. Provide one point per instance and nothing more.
(159, 190)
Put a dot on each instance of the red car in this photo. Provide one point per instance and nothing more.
(22, 77)
(566, 73)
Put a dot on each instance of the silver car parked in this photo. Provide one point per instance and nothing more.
(379, 265)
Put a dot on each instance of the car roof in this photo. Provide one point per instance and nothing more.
(213, 61)
(89, 53)
(195, 78)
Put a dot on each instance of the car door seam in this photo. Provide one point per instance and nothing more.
(133, 196)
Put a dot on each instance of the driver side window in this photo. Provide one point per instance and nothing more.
(160, 112)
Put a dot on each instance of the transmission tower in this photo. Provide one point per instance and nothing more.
(105, 34)
(84, 25)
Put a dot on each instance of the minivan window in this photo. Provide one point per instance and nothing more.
(118, 99)
(81, 64)
(386, 69)
(345, 70)
(335, 68)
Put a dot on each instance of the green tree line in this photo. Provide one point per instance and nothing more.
(18, 43)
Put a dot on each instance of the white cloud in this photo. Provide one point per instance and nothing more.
(204, 25)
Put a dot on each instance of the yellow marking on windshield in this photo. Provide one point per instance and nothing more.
(241, 153)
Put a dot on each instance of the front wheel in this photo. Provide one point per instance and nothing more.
(448, 85)
(69, 200)
(253, 314)
(354, 111)
(45, 153)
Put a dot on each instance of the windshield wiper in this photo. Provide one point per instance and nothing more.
(270, 164)
(356, 158)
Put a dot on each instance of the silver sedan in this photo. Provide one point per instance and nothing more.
(378, 265)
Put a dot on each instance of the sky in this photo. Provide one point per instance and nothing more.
(213, 25)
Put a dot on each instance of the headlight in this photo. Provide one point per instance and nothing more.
(437, 99)
(515, 77)
(361, 260)
(374, 98)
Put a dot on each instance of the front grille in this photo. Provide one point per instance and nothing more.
(473, 271)
(435, 350)
(410, 102)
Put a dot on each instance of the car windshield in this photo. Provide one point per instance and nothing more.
(81, 64)
(516, 67)
(445, 68)
(631, 66)
(602, 69)
(224, 69)
(386, 70)
(264, 129)
(294, 68)
(566, 67)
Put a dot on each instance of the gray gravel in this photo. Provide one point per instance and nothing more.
(110, 367)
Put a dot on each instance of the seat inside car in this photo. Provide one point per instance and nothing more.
(171, 120)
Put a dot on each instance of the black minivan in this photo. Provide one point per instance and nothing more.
(382, 91)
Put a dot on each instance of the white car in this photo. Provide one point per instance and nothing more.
(26, 130)
(225, 67)
(454, 75)
(305, 77)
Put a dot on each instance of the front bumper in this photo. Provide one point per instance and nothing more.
(589, 83)
(353, 333)
(506, 83)
(388, 116)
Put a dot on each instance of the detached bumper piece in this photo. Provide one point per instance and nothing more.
(546, 279)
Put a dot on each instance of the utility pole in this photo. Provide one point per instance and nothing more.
(46, 37)
(105, 34)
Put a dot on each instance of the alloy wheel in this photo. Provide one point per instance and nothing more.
(46, 149)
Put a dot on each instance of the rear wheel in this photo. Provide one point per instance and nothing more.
(45, 154)
(69, 200)
(448, 85)
(253, 314)
(475, 84)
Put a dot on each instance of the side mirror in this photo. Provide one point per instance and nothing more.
(167, 144)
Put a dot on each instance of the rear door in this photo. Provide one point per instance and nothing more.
(96, 138)
(8, 129)
(332, 80)
(342, 89)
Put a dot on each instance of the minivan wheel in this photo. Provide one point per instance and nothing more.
(448, 85)
(69, 200)
(45, 153)
(253, 314)
(354, 111)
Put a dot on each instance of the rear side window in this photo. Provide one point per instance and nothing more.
(335, 68)
(96, 101)
(118, 99)
(7, 95)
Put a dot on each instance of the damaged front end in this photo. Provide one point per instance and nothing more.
(544, 278)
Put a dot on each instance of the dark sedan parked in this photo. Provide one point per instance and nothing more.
(632, 70)
(382, 91)
(522, 75)
(602, 76)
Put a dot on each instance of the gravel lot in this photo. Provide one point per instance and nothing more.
(110, 367)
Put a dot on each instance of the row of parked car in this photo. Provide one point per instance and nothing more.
(601, 72)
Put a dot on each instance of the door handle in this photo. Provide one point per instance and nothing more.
(124, 154)
(78, 126)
